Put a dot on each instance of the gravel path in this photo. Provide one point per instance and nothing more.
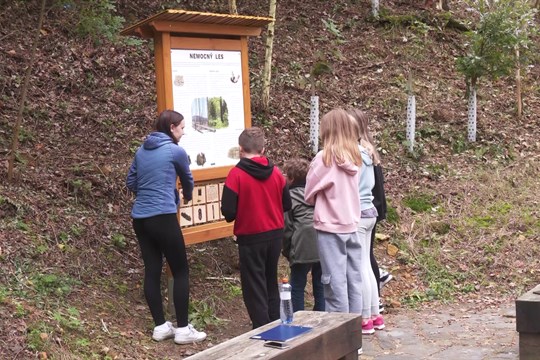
(446, 333)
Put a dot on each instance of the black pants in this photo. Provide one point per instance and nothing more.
(161, 235)
(373, 261)
(258, 275)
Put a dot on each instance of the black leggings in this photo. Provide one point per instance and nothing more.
(373, 261)
(161, 235)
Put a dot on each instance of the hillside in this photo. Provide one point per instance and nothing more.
(464, 218)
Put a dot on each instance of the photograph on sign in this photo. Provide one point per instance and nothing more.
(207, 90)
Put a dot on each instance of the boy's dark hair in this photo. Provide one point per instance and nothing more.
(252, 140)
(296, 170)
(166, 119)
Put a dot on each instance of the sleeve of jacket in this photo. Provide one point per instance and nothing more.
(288, 233)
(286, 198)
(379, 197)
(131, 180)
(229, 198)
(314, 181)
(181, 165)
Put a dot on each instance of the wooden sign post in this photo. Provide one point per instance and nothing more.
(202, 72)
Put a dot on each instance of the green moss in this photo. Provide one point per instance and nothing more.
(440, 227)
(502, 208)
(392, 215)
(483, 222)
(419, 202)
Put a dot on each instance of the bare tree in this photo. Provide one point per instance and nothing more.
(24, 91)
(267, 71)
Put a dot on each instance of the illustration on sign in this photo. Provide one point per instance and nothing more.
(207, 90)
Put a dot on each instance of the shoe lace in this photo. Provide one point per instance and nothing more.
(192, 329)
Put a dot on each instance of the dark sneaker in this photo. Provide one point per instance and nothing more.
(385, 278)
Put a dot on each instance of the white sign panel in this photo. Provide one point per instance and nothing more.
(207, 91)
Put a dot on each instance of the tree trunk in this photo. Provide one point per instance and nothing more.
(519, 102)
(472, 113)
(267, 72)
(411, 121)
(314, 124)
(24, 90)
(232, 7)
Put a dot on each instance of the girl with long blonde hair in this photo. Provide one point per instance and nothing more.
(332, 187)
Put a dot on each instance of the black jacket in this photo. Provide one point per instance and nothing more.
(379, 198)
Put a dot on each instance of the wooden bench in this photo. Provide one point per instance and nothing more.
(528, 324)
(335, 336)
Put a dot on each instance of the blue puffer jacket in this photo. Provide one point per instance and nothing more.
(152, 176)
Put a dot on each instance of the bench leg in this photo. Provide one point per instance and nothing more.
(350, 356)
(529, 346)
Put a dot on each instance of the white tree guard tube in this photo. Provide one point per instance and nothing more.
(472, 114)
(375, 8)
(411, 121)
(314, 124)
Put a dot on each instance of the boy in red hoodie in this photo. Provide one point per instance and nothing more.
(255, 196)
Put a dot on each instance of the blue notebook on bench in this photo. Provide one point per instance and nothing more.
(282, 333)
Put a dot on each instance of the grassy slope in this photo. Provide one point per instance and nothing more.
(70, 274)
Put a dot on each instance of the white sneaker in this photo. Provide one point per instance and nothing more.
(188, 336)
(360, 352)
(163, 332)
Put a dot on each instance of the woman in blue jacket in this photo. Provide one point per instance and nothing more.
(152, 177)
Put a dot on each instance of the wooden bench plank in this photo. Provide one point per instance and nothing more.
(335, 336)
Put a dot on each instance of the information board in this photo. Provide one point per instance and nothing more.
(207, 90)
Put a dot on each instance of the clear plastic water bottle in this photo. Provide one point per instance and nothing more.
(286, 308)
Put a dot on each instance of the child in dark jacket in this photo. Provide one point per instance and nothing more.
(300, 239)
(255, 196)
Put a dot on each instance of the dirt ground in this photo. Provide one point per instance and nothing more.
(70, 269)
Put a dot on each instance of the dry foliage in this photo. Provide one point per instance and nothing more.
(70, 272)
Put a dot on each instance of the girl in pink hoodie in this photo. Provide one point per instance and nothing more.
(332, 187)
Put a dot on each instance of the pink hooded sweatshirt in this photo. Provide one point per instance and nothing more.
(334, 193)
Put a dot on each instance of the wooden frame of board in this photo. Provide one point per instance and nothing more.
(183, 30)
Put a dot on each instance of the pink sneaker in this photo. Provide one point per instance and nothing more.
(378, 322)
(367, 327)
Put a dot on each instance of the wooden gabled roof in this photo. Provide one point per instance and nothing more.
(194, 22)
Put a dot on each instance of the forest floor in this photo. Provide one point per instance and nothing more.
(463, 224)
